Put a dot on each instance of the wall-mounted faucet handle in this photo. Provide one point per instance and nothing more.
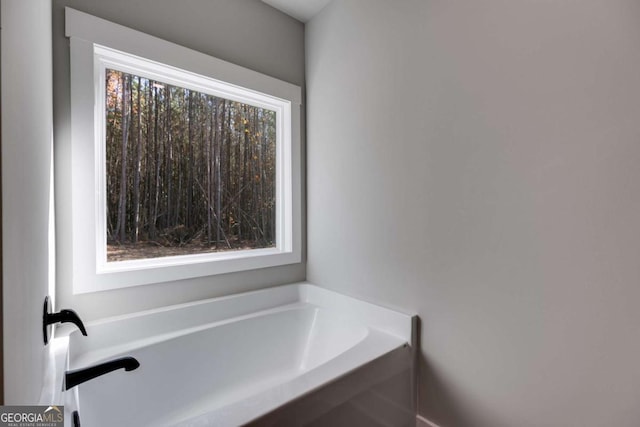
(63, 316)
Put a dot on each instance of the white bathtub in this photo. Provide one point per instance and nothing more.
(229, 361)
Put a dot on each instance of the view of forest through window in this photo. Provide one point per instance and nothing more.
(186, 172)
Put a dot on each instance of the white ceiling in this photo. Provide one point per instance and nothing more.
(302, 10)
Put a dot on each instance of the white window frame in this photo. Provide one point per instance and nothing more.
(96, 45)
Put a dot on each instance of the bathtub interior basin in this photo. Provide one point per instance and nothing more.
(227, 361)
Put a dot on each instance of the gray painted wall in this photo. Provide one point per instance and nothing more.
(246, 32)
(477, 162)
(26, 184)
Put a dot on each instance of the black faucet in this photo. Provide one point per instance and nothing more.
(78, 376)
(63, 316)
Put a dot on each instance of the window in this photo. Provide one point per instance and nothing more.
(183, 165)
(186, 171)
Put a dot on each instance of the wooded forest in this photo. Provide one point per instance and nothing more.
(186, 172)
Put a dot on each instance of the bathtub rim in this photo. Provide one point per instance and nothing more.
(392, 320)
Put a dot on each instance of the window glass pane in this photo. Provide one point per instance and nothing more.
(186, 172)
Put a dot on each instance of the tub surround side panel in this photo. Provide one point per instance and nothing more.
(245, 32)
(374, 395)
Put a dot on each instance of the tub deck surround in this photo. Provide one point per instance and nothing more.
(229, 361)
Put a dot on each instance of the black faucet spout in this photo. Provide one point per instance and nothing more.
(78, 376)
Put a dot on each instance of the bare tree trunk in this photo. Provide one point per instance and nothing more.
(179, 210)
(189, 188)
(136, 180)
(228, 180)
(213, 137)
(156, 144)
(263, 177)
(218, 177)
(169, 165)
(149, 161)
(123, 171)
(205, 136)
(246, 164)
